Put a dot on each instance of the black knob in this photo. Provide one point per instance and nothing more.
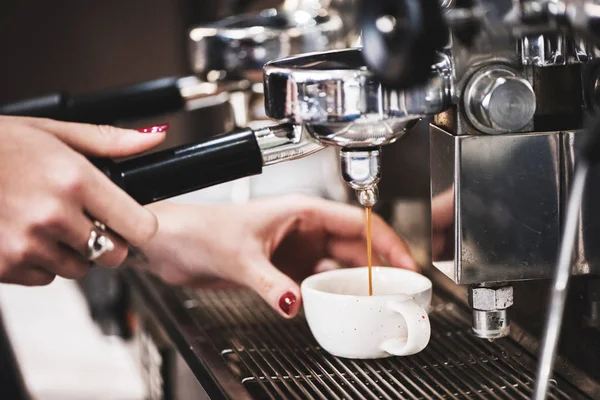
(400, 39)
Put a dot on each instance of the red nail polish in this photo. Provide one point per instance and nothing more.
(154, 129)
(286, 302)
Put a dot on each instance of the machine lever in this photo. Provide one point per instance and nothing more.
(105, 107)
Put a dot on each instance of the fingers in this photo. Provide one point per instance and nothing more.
(327, 264)
(29, 276)
(72, 228)
(78, 234)
(100, 140)
(59, 260)
(390, 246)
(351, 252)
(276, 288)
(114, 208)
(344, 221)
(338, 219)
(99, 196)
(26, 254)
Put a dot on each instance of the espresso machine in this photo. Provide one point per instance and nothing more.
(509, 88)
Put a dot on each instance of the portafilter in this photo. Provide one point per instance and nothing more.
(319, 99)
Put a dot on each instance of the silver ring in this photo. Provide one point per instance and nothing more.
(97, 243)
(100, 226)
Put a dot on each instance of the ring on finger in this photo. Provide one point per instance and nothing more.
(98, 244)
(100, 225)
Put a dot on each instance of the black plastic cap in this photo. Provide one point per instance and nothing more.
(402, 54)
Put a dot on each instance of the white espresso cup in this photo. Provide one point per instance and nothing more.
(347, 322)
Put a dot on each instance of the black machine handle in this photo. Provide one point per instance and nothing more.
(401, 55)
(106, 107)
(187, 168)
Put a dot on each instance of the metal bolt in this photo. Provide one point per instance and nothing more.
(489, 304)
(490, 299)
(498, 100)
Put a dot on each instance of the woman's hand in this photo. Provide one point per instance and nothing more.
(265, 244)
(50, 194)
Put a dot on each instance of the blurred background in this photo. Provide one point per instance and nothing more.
(84, 46)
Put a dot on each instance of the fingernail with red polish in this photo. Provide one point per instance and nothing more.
(286, 302)
(154, 129)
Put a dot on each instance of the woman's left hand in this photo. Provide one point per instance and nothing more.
(266, 244)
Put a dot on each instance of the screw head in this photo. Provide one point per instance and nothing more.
(497, 100)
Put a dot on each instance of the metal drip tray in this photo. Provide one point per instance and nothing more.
(279, 359)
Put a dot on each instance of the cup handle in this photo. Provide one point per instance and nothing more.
(418, 329)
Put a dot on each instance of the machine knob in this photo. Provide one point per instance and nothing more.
(498, 100)
(401, 38)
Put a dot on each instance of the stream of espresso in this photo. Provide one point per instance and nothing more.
(369, 262)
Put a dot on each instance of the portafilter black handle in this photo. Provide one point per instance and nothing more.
(186, 168)
(139, 100)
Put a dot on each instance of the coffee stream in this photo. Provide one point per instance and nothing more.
(369, 262)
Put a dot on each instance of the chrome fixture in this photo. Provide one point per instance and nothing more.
(341, 103)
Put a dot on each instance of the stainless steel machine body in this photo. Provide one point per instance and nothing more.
(502, 158)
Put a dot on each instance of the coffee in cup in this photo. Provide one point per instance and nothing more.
(347, 322)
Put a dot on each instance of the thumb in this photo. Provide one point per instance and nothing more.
(103, 140)
(276, 288)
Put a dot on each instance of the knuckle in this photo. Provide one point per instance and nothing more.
(71, 180)
(19, 251)
(49, 217)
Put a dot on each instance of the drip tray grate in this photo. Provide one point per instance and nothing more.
(279, 359)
